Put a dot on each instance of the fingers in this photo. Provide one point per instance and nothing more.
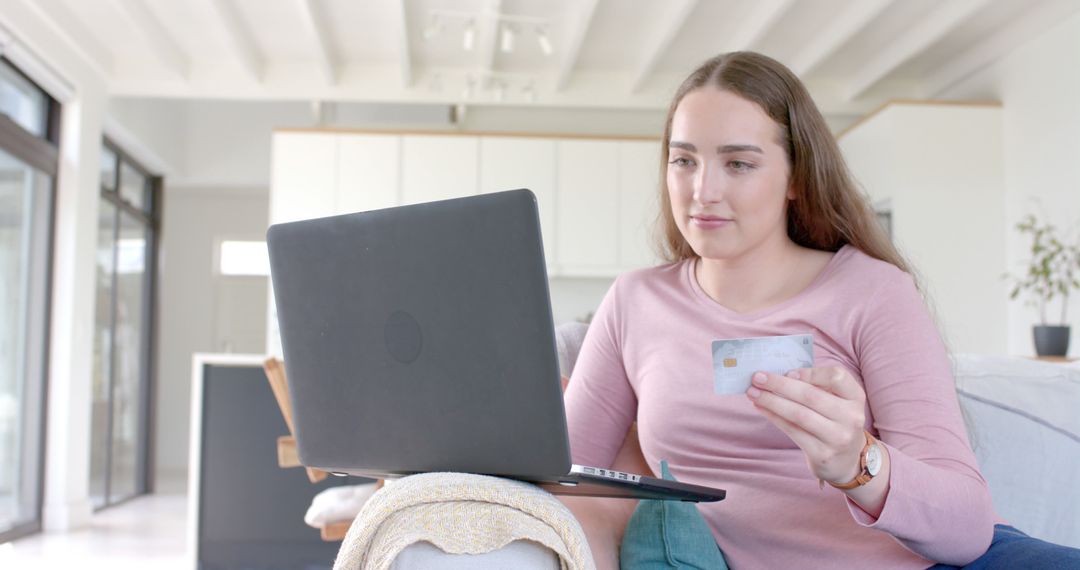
(832, 379)
(806, 441)
(808, 399)
(790, 400)
(821, 409)
(814, 397)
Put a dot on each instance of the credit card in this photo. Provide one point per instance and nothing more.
(735, 360)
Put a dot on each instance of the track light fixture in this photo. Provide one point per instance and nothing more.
(486, 86)
(469, 39)
(506, 26)
(433, 27)
(542, 39)
(470, 84)
(506, 42)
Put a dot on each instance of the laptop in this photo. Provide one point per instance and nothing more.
(420, 339)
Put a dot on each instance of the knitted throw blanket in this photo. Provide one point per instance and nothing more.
(460, 514)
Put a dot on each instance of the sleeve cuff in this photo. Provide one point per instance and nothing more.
(897, 465)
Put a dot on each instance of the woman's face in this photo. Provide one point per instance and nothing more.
(728, 176)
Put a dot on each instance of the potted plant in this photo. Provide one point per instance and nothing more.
(1052, 273)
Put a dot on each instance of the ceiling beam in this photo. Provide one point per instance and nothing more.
(156, 34)
(917, 39)
(238, 36)
(401, 21)
(673, 22)
(574, 38)
(311, 12)
(375, 83)
(757, 24)
(1033, 21)
(77, 35)
(837, 33)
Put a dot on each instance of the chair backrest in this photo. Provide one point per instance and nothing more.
(279, 384)
(275, 373)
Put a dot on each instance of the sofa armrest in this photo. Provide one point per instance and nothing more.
(1025, 431)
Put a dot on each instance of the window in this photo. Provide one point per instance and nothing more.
(23, 102)
(244, 258)
(883, 210)
(28, 165)
(124, 322)
(885, 219)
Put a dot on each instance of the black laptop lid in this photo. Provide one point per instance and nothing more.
(420, 339)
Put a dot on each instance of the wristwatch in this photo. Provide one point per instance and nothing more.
(869, 465)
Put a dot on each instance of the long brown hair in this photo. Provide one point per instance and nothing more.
(828, 210)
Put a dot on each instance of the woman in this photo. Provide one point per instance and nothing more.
(860, 460)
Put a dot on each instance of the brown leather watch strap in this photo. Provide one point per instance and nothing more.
(864, 475)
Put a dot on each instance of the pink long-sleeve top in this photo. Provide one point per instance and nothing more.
(647, 357)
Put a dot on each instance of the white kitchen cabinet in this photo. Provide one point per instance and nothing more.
(438, 167)
(508, 163)
(598, 198)
(587, 217)
(639, 203)
(368, 172)
(303, 179)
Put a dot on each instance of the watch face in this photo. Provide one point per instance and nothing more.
(873, 460)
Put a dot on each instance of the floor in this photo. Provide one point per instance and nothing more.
(145, 532)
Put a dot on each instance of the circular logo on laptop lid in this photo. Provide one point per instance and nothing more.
(403, 337)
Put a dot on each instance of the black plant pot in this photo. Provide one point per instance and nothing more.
(1051, 340)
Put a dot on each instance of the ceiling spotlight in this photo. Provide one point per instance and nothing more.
(469, 40)
(545, 43)
(507, 42)
(470, 84)
(433, 28)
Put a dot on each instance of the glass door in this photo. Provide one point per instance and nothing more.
(28, 162)
(123, 331)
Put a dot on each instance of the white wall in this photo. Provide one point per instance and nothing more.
(228, 143)
(210, 144)
(147, 128)
(1039, 87)
(192, 299)
(940, 168)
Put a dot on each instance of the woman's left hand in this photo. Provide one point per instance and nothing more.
(822, 410)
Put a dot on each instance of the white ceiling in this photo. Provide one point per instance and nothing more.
(854, 54)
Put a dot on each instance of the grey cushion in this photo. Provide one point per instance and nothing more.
(568, 339)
